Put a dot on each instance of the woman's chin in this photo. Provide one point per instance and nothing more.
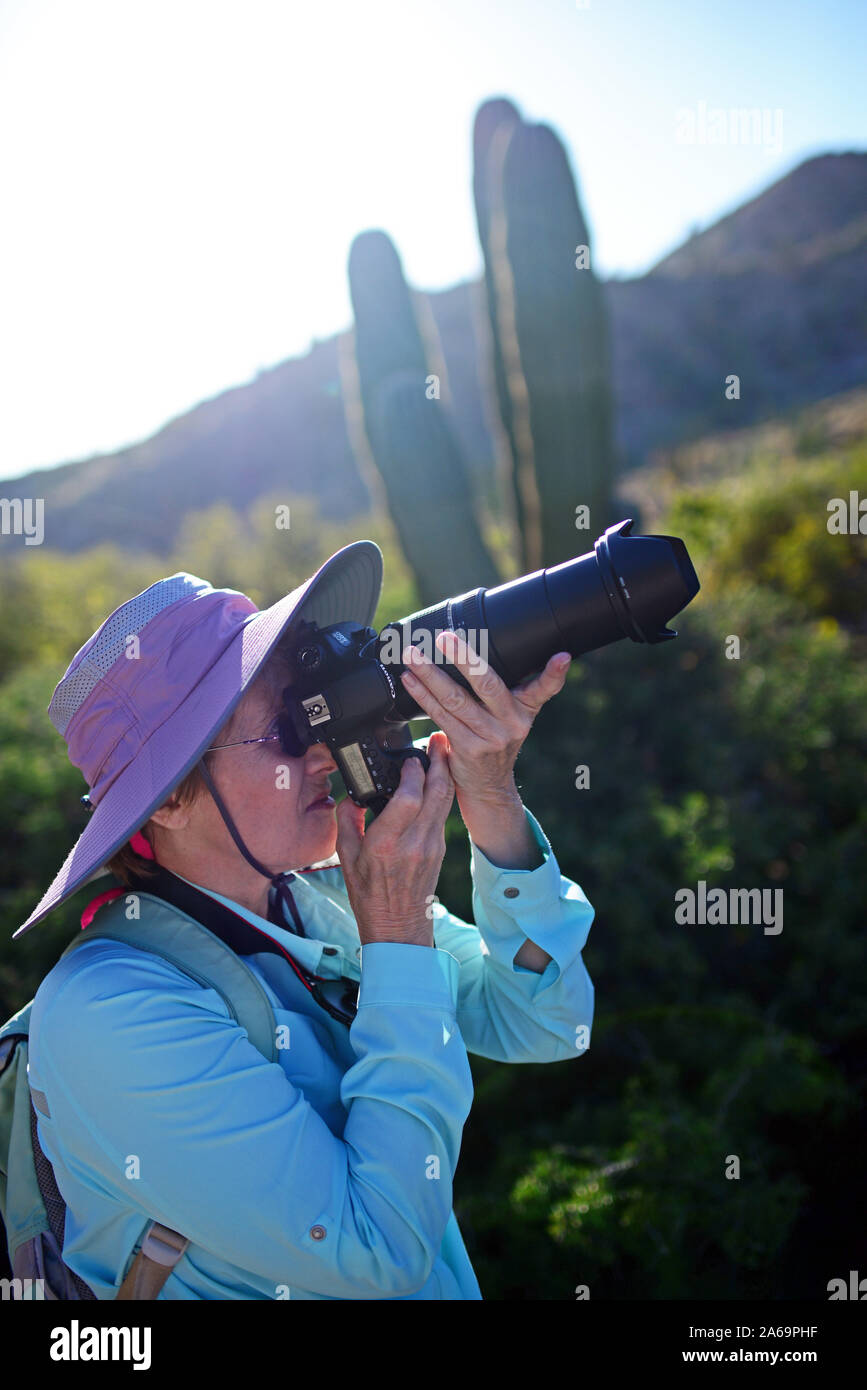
(327, 841)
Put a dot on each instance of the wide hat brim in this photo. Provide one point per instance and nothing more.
(346, 588)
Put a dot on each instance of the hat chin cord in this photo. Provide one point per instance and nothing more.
(280, 881)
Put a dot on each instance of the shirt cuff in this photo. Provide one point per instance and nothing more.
(488, 876)
(540, 905)
(394, 972)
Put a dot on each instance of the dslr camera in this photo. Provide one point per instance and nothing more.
(346, 689)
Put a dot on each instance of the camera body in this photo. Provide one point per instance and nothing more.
(345, 696)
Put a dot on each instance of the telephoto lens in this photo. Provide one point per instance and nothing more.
(626, 586)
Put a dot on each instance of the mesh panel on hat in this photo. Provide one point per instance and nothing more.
(110, 643)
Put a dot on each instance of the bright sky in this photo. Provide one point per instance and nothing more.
(181, 179)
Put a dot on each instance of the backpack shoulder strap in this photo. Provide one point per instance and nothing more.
(33, 1211)
(168, 931)
(15, 1028)
(160, 1251)
(165, 930)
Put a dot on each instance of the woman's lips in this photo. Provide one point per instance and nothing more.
(324, 803)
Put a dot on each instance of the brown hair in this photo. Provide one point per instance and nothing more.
(275, 676)
(126, 860)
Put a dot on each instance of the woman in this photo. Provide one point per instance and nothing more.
(330, 1173)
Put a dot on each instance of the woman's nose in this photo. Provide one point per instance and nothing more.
(321, 759)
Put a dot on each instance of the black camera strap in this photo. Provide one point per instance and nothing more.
(237, 933)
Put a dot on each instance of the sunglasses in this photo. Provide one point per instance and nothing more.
(286, 737)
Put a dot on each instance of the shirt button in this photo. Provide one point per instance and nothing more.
(511, 892)
(329, 950)
(317, 1232)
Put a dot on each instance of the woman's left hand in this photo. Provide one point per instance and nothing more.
(484, 738)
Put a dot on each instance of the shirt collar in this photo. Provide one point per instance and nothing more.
(329, 926)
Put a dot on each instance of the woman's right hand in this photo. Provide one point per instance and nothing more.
(392, 868)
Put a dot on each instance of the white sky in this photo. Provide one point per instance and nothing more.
(181, 181)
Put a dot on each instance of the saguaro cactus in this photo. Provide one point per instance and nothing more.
(494, 123)
(551, 332)
(424, 474)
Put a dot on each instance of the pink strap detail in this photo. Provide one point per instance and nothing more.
(95, 904)
(141, 846)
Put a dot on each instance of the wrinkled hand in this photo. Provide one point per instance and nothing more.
(391, 868)
(484, 738)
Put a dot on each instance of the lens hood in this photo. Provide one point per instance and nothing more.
(648, 579)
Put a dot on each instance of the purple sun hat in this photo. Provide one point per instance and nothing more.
(145, 695)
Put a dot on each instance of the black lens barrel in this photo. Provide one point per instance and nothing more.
(627, 586)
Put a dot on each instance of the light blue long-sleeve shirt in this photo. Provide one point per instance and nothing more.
(328, 1174)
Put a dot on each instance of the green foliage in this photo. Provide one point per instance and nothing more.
(40, 819)
(782, 539)
(668, 1202)
(708, 1040)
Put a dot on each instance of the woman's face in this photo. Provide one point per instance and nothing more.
(270, 798)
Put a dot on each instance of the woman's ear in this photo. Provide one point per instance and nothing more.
(171, 815)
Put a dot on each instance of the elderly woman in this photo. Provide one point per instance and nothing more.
(328, 1172)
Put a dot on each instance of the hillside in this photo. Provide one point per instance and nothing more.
(828, 427)
(774, 292)
(818, 210)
